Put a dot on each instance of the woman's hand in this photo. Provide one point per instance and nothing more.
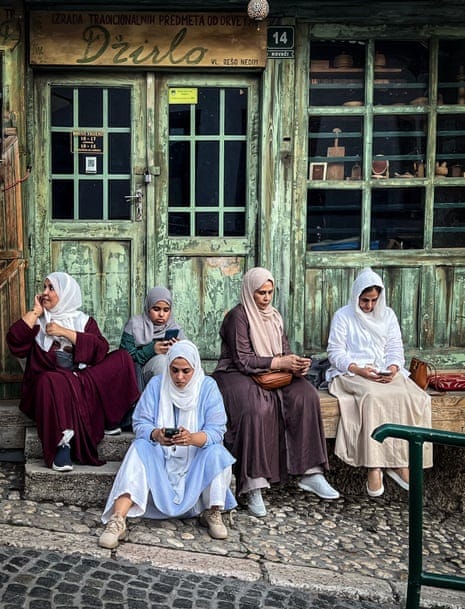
(372, 373)
(54, 329)
(296, 364)
(33, 315)
(161, 347)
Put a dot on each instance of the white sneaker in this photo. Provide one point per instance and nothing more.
(318, 484)
(255, 504)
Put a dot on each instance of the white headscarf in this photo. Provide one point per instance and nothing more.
(142, 328)
(65, 312)
(266, 326)
(185, 399)
(373, 322)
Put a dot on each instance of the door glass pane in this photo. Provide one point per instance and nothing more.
(119, 153)
(90, 107)
(235, 112)
(234, 173)
(206, 174)
(179, 119)
(62, 157)
(179, 174)
(61, 107)
(333, 219)
(450, 152)
(207, 112)
(62, 199)
(397, 218)
(207, 163)
(90, 199)
(207, 224)
(119, 207)
(119, 108)
(179, 224)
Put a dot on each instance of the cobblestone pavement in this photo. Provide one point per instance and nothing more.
(305, 553)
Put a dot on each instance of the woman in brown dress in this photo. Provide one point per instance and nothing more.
(272, 433)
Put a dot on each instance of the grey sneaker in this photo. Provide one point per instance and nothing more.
(318, 484)
(214, 522)
(255, 504)
(114, 532)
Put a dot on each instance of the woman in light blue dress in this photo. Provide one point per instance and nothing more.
(174, 476)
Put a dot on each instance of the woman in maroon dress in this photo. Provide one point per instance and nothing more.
(272, 434)
(72, 387)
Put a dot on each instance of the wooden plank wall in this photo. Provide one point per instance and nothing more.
(12, 263)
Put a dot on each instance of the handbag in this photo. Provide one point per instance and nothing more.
(421, 372)
(448, 381)
(273, 379)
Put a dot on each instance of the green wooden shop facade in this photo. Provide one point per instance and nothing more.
(148, 145)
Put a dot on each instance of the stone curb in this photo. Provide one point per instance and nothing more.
(317, 581)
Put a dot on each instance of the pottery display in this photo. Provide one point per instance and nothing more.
(344, 60)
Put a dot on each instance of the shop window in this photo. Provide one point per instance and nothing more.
(386, 148)
(207, 164)
(90, 153)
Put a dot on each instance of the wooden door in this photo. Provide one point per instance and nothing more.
(90, 217)
(202, 200)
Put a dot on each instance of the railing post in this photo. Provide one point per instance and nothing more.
(415, 555)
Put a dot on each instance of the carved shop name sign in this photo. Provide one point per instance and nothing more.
(146, 39)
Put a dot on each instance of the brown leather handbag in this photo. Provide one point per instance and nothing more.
(273, 379)
(421, 372)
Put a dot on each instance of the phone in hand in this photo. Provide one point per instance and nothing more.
(171, 333)
(171, 431)
(385, 372)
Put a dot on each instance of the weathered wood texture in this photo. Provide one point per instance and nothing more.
(428, 298)
(12, 263)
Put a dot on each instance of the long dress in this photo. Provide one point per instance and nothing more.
(365, 404)
(144, 476)
(272, 434)
(85, 399)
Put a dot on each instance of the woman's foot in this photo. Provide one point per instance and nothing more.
(375, 487)
(317, 483)
(114, 532)
(214, 522)
(62, 461)
(255, 505)
(400, 475)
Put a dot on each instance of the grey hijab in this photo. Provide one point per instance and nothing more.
(142, 328)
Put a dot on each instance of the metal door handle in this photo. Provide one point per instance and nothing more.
(138, 198)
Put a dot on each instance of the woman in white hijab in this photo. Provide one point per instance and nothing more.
(148, 337)
(177, 467)
(368, 377)
(273, 434)
(72, 387)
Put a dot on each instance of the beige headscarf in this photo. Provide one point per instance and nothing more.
(266, 326)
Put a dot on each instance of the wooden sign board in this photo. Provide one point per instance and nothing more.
(146, 40)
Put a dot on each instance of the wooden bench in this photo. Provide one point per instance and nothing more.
(448, 411)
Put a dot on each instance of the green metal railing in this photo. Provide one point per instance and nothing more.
(416, 437)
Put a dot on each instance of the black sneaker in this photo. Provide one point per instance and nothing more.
(62, 461)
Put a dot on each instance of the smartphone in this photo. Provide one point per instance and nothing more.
(171, 333)
(171, 431)
(385, 372)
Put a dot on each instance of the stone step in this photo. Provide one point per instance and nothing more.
(111, 448)
(85, 486)
(13, 425)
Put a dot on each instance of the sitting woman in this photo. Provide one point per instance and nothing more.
(72, 388)
(272, 433)
(368, 377)
(148, 337)
(177, 467)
